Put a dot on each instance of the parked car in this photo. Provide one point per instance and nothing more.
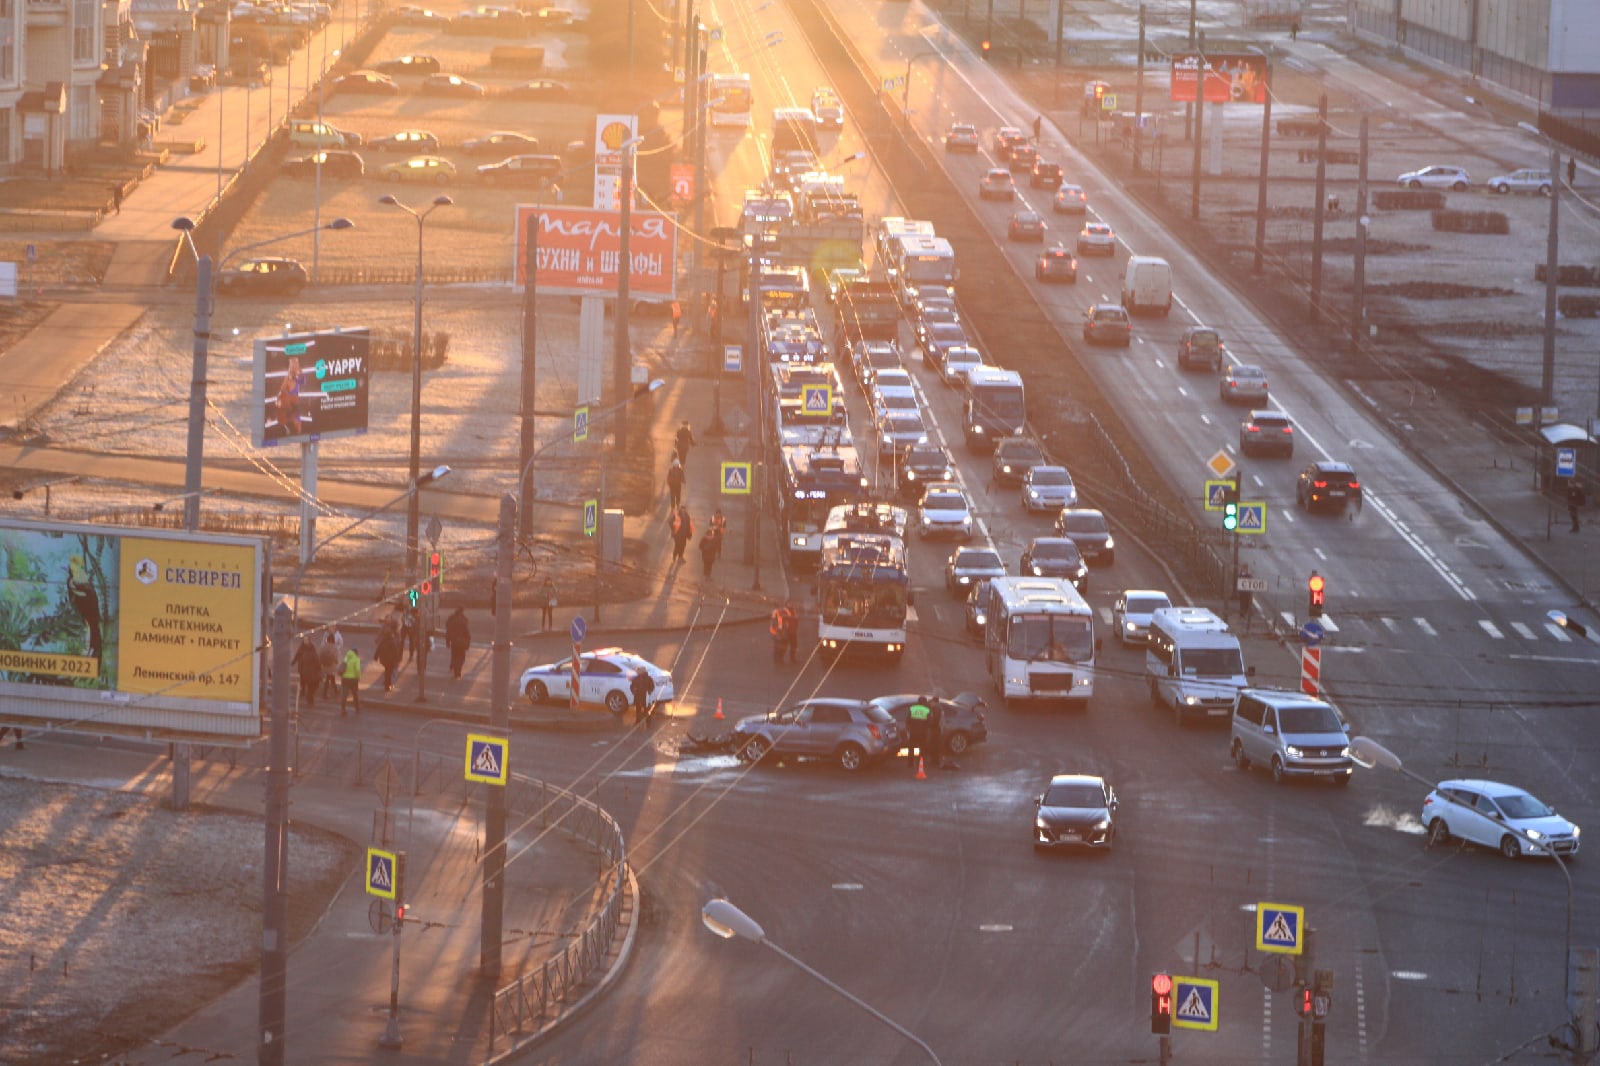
(1088, 529)
(335, 165)
(969, 565)
(1071, 200)
(1048, 488)
(538, 89)
(1498, 816)
(1243, 383)
(853, 733)
(961, 137)
(1130, 614)
(1528, 179)
(922, 463)
(997, 184)
(412, 15)
(962, 722)
(417, 142)
(1097, 238)
(1327, 482)
(264, 276)
(1266, 433)
(366, 82)
(1045, 175)
(527, 170)
(1455, 178)
(433, 169)
(501, 144)
(1054, 557)
(605, 679)
(1200, 346)
(450, 85)
(1026, 226)
(944, 511)
(1075, 811)
(1056, 264)
(408, 65)
(1013, 457)
(1107, 324)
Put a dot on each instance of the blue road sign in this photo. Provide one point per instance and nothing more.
(816, 400)
(1217, 494)
(1278, 927)
(1566, 462)
(578, 629)
(487, 759)
(1194, 1003)
(380, 877)
(580, 425)
(1252, 518)
(735, 479)
(732, 359)
(591, 517)
(1312, 633)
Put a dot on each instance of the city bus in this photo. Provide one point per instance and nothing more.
(730, 100)
(863, 592)
(816, 478)
(1039, 641)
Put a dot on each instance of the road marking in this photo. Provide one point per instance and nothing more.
(994, 928)
(1551, 659)
(1328, 624)
(1408, 975)
(1491, 629)
(1320, 555)
(1422, 624)
(847, 886)
(1206, 419)
(1557, 632)
(1523, 631)
(1390, 624)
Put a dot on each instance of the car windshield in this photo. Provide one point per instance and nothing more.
(1522, 805)
(904, 421)
(1045, 476)
(1310, 718)
(1145, 604)
(864, 603)
(1050, 638)
(925, 457)
(982, 558)
(1021, 451)
(1212, 662)
(1203, 338)
(947, 331)
(895, 399)
(1078, 796)
(944, 500)
(1248, 373)
(1109, 314)
(1083, 523)
(1055, 549)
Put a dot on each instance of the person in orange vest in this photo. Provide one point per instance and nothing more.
(677, 317)
(791, 631)
(776, 627)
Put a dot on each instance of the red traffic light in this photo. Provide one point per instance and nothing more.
(399, 912)
(426, 588)
(1161, 984)
(1303, 1002)
(433, 565)
(1099, 90)
(984, 48)
(1315, 584)
(1161, 1003)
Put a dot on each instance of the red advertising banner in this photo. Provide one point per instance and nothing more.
(579, 251)
(1239, 78)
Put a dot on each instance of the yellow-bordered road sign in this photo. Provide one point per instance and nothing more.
(381, 867)
(1279, 928)
(1194, 1003)
(486, 759)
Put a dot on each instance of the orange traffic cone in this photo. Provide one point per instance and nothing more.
(718, 715)
(921, 773)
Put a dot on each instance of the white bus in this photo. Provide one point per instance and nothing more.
(1040, 641)
(863, 592)
(730, 100)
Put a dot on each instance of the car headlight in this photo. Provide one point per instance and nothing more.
(1037, 572)
(1033, 494)
(1575, 832)
(1534, 834)
(1110, 543)
(1191, 700)
(978, 430)
(1005, 468)
(1129, 627)
(1344, 753)
(1103, 824)
(963, 580)
(1040, 823)
(1292, 751)
(980, 618)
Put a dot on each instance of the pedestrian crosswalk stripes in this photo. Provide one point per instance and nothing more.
(1491, 629)
(1422, 624)
(1361, 631)
(1523, 631)
(1557, 632)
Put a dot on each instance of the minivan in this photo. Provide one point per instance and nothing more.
(1290, 733)
(310, 133)
(1194, 663)
(1147, 285)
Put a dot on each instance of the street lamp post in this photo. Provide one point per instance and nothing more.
(728, 921)
(419, 217)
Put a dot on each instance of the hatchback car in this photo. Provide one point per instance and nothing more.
(1088, 529)
(500, 143)
(1045, 175)
(1054, 557)
(1528, 179)
(1327, 483)
(1200, 346)
(1026, 226)
(1266, 433)
(922, 463)
(1097, 238)
(414, 141)
(1243, 383)
(955, 361)
(538, 89)
(852, 733)
(605, 679)
(335, 165)
(1498, 816)
(1107, 324)
(408, 65)
(961, 719)
(450, 85)
(1131, 613)
(896, 429)
(997, 184)
(1057, 264)
(366, 82)
(1455, 178)
(1048, 488)
(432, 169)
(264, 276)
(1022, 158)
(967, 566)
(1071, 200)
(944, 511)
(530, 171)
(1013, 457)
(961, 137)
(1075, 811)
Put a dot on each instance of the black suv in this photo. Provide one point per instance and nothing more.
(1014, 457)
(1327, 484)
(920, 464)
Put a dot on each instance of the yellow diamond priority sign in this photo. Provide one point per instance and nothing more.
(1220, 464)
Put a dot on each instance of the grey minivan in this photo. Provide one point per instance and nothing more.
(1292, 734)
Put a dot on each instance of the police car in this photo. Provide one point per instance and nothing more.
(604, 679)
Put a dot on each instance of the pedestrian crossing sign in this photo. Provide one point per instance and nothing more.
(1278, 928)
(816, 400)
(1194, 1003)
(1252, 518)
(736, 479)
(580, 425)
(1217, 494)
(381, 873)
(486, 759)
(591, 517)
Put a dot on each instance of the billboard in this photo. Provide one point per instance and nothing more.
(579, 251)
(102, 628)
(310, 386)
(1230, 77)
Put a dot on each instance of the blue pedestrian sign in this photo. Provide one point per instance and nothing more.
(381, 873)
(735, 479)
(1312, 632)
(1566, 462)
(1252, 518)
(591, 517)
(1194, 1003)
(816, 400)
(732, 359)
(486, 759)
(1278, 928)
(1217, 494)
(578, 629)
(580, 425)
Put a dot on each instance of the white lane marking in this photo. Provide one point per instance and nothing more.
(848, 886)
(1361, 1014)
(1390, 624)
(1289, 619)
(1408, 975)
(1329, 624)
(1206, 419)
(1551, 659)
(1557, 632)
(1422, 624)
(1491, 629)
(1320, 554)
(994, 928)
(1523, 631)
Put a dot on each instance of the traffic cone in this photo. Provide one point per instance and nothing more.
(718, 715)
(921, 773)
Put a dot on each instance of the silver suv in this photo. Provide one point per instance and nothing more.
(851, 732)
(1292, 734)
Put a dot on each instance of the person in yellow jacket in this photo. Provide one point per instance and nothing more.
(352, 680)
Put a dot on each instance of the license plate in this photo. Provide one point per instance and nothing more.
(1069, 834)
(1335, 492)
(1217, 712)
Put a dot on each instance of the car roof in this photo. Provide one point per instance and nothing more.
(1052, 542)
(1269, 416)
(1129, 594)
(1478, 784)
(1077, 779)
(1085, 512)
(1048, 468)
(1333, 466)
(1246, 370)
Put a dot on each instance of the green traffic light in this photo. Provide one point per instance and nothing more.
(1230, 517)
(411, 597)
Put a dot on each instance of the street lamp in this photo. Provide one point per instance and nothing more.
(204, 298)
(416, 371)
(1561, 619)
(728, 921)
(905, 89)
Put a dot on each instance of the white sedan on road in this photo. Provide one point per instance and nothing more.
(944, 512)
(1503, 817)
(1455, 178)
(605, 680)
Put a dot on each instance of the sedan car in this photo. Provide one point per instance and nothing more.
(335, 165)
(1107, 324)
(500, 143)
(1097, 238)
(450, 85)
(1243, 383)
(1054, 557)
(1022, 158)
(961, 137)
(1132, 611)
(829, 111)
(264, 276)
(896, 429)
(956, 361)
(412, 15)
(433, 169)
(967, 566)
(1498, 816)
(1013, 457)
(939, 337)
(1528, 179)
(870, 357)
(527, 170)
(1327, 483)
(1057, 264)
(538, 89)
(1005, 139)
(1045, 175)
(922, 463)
(408, 65)
(962, 723)
(1200, 346)
(605, 678)
(1026, 226)
(944, 511)
(997, 184)
(1455, 178)
(368, 82)
(852, 733)
(1071, 200)
(1266, 433)
(1075, 811)
(1088, 529)
(417, 142)
(1048, 488)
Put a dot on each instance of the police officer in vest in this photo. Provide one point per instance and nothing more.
(917, 727)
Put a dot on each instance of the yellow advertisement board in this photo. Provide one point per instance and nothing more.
(187, 618)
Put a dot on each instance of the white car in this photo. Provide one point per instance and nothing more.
(1048, 488)
(944, 512)
(957, 361)
(1130, 615)
(605, 680)
(1097, 238)
(896, 429)
(1436, 178)
(829, 111)
(1497, 816)
(1528, 179)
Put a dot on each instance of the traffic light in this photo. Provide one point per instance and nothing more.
(1315, 586)
(1302, 1000)
(1099, 89)
(1161, 1004)
(412, 597)
(436, 569)
(983, 50)
(1230, 507)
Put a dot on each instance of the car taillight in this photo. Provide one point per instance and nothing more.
(874, 731)
(1319, 484)
(1355, 484)
(1288, 429)
(1252, 429)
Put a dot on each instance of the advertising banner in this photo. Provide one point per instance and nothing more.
(580, 251)
(611, 132)
(1230, 77)
(128, 628)
(311, 386)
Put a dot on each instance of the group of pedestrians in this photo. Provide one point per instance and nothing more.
(680, 521)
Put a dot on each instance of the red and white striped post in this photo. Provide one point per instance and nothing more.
(577, 650)
(1311, 671)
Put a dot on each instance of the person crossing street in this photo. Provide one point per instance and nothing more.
(642, 686)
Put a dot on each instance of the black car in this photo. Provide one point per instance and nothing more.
(1075, 811)
(1266, 433)
(979, 601)
(962, 722)
(1087, 528)
(335, 165)
(1013, 458)
(1327, 484)
(1046, 175)
(408, 65)
(1054, 557)
(528, 170)
(539, 89)
(922, 463)
(266, 276)
(500, 144)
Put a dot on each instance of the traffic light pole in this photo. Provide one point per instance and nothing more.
(1308, 959)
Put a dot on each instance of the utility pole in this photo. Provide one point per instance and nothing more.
(1188, 109)
(1319, 207)
(1358, 287)
(622, 351)
(1552, 268)
(1261, 186)
(197, 394)
(275, 867)
(1138, 94)
(1305, 967)
(1199, 121)
(494, 819)
(526, 439)
(701, 113)
(753, 393)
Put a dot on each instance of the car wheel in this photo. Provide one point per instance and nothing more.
(1509, 847)
(1459, 186)
(851, 757)
(1240, 759)
(1277, 770)
(1438, 833)
(957, 743)
(755, 749)
(1501, 189)
(616, 702)
(536, 692)
(1414, 184)
(1544, 190)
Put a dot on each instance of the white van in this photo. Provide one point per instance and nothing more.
(310, 133)
(1193, 663)
(1290, 734)
(1147, 285)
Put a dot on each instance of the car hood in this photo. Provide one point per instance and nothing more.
(1072, 817)
(1316, 740)
(1551, 826)
(1054, 566)
(978, 573)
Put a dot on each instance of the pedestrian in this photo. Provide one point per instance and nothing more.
(1038, 127)
(719, 526)
(458, 635)
(714, 320)
(776, 627)
(675, 484)
(1575, 500)
(917, 731)
(1294, 28)
(791, 631)
(352, 680)
(682, 533)
(309, 666)
(547, 603)
(116, 197)
(935, 733)
(329, 657)
(642, 686)
(1572, 171)
(388, 654)
(683, 441)
(708, 552)
(411, 630)
(677, 318)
